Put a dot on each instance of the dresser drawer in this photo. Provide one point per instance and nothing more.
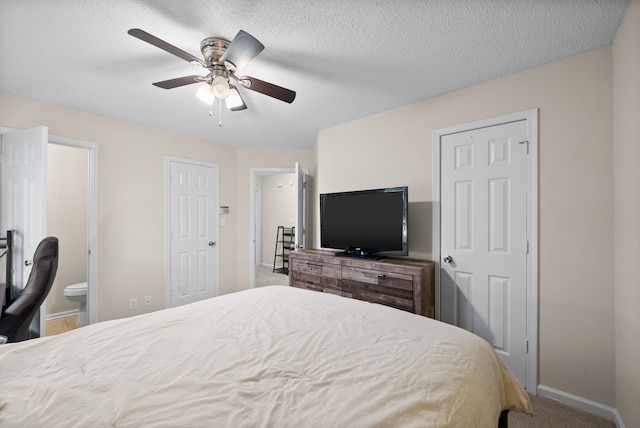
(391, 289)
(314, 275)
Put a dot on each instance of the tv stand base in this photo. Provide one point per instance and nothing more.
(360, 255)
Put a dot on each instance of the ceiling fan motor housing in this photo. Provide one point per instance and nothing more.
(212, 49)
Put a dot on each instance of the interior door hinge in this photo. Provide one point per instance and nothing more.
(526, 249)
(526, 346)
(526, 142)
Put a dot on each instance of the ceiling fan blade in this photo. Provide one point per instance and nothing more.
(151, 39)
(244, 47)
(275, 91)
(180, 81)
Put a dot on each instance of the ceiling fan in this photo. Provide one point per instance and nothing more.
(222, 58)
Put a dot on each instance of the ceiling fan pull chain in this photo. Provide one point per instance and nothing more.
(220, 115)
(211, 110)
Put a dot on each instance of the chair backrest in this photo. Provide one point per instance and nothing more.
(19, 313)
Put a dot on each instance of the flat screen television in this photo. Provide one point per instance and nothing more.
(365, 223)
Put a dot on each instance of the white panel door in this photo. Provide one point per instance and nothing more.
(193, 232)
(302, 210)
(484, 246)
(24, 199)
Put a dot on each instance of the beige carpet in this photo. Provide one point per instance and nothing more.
(549, 413)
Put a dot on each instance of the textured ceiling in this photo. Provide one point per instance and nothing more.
(346, 59)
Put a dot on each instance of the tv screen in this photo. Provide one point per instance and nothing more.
(365, 223)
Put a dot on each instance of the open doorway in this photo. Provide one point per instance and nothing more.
(72, 217)
(67, 218)
(290, 189)
(274, 203)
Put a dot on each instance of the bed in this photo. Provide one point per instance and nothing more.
(275, 356)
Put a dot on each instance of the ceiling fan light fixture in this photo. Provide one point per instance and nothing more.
(205, 93)
(222, 58)
(220, 87)
(234, 100)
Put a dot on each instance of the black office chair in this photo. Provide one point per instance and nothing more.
(15, 321)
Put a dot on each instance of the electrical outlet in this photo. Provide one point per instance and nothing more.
(147, 300)
(133, 304)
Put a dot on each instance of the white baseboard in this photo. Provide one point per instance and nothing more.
(618, 420)
(606, 412)
(62, 314)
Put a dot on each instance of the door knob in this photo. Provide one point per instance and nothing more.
(28, 262)
(447, 259)
(212, 243)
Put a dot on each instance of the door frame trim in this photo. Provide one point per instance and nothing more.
(167, 221)
(531, 117)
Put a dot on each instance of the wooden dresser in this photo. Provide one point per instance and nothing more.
(405, 284)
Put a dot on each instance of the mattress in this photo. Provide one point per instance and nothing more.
(275, 356)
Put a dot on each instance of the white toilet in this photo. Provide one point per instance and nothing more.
(78, 293)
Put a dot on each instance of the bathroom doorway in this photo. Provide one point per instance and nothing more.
(72, 217)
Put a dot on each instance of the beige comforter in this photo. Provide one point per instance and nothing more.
(267, 357)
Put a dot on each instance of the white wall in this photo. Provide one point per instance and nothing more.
(576, 311)
(626, 107)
